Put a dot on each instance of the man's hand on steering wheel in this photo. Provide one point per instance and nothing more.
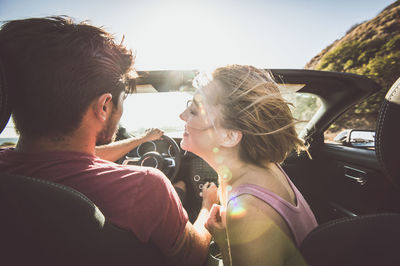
(152, 134)
(168, 161)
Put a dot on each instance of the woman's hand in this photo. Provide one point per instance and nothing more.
(216, 223)
(210, 195)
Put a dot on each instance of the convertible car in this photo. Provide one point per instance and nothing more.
(351, 188)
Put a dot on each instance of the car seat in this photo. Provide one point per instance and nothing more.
(367, 239)
(387, 140)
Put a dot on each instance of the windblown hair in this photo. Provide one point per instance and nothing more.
(55, 68)
(250, 101)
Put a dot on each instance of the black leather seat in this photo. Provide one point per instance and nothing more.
(361, 240)
(5, 106)
(368, 239)
(387, 140)
(44, 223)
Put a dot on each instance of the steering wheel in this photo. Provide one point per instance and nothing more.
(168, 162)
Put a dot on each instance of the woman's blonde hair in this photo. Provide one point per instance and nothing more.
(250, 101)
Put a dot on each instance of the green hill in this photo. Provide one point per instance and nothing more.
(371, 48)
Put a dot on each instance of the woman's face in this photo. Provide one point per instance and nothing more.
(200, 136)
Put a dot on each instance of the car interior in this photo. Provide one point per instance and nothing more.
(353, 191)
(370, 238)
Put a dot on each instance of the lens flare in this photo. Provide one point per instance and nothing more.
(237, 210)
(224, 172)
(198, 98)
(219, 159)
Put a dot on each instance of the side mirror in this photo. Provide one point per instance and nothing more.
(357, 138)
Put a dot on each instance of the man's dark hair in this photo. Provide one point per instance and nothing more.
(55, 68)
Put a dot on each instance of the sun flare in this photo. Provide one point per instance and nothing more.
(186, 35)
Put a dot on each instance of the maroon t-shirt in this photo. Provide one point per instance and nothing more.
(139, 199)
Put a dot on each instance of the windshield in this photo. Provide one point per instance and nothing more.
(157, 110)
(162, 109)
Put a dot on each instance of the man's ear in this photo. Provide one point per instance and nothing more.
(230, 138)
(102, 106)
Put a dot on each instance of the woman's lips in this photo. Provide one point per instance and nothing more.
(185, 134)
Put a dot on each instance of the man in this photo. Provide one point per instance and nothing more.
(67, 83)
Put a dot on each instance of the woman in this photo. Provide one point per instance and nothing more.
(239, 123)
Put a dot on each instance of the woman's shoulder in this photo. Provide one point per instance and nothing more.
(246, 208)
(247, 212)
(271, 183)
(256, 226)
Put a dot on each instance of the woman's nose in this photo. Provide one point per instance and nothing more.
(183, 115)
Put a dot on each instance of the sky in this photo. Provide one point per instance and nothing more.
(188, 34)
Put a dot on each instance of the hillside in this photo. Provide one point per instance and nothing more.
(371, 48)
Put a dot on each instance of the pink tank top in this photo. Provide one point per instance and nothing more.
(299, 218)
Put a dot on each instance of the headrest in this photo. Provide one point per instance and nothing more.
(5, 108)
(387, 140)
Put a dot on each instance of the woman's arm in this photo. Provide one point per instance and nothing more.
(257, 234)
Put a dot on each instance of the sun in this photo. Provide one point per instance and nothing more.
(184, 35)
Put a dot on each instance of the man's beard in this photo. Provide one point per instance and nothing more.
(108, 133)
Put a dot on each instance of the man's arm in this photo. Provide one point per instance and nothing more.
(114, 151)
(216, 225)
(192, 246)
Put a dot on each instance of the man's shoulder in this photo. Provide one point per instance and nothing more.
(148, 175)
(68, 165)
(150, 172)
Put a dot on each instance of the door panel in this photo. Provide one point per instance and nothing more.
(342, 181)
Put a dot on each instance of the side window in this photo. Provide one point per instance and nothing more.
(8, 138)
(355, 127)
(305, 106)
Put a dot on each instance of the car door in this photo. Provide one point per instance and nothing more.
(340, 180)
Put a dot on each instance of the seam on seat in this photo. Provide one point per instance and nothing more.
(74, 192)
(378, 147)
(394, 92)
